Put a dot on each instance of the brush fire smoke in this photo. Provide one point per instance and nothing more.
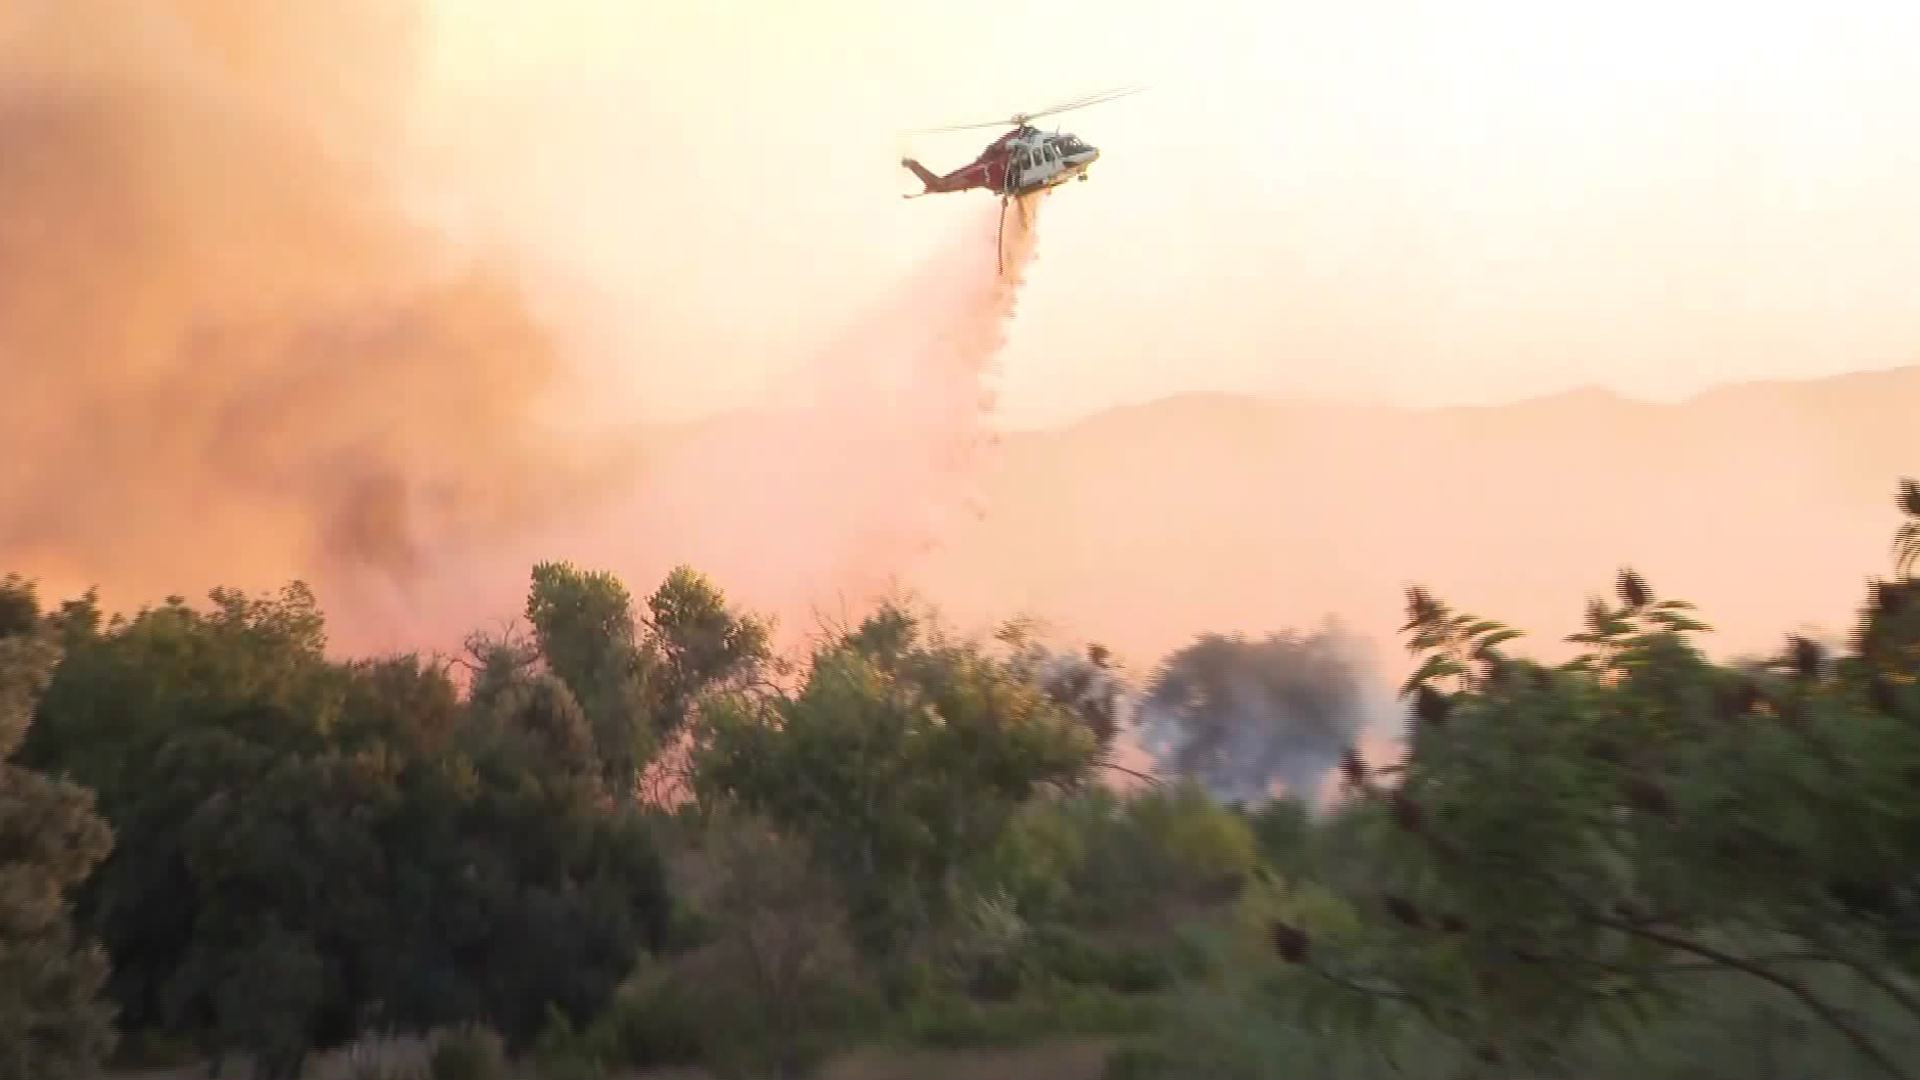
(231, 356)
(1242, 716)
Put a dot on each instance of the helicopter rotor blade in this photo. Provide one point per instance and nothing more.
(1021, 118)
(1081, 103)
(960, 127)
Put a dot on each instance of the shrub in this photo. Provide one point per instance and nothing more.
(562, 1053)
(1058, 954)
(650, 1027)
(153, 1050)
(469, 1052)
(952, 1020)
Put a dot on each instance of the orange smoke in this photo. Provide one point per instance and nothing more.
(231, 353)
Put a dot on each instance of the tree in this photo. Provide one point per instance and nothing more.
(1887, 639)
(701, 644)
(701, 648)
(779, 981)
(310, 848)
(637, 689)
(583, 622)
(1132, 860)
(1566, 847)
(1089, 685)
(900, 761)
(1906, 541)
(156, 713)
(54, 1025)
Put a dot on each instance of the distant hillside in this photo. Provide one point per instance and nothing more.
(1766, 503)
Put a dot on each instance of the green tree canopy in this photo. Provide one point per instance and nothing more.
(54, 1024)
(901, 759)
(637, 679)
(1566, 844)
(308, 848)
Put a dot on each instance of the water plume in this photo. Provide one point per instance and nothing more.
(868, 455)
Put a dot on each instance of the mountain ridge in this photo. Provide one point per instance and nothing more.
(1903, 378)
(1145, 523)
(1898, 381)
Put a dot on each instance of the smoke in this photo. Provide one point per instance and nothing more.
(237, 351)
(1242, 716)
(229, 348)
(1086, 684)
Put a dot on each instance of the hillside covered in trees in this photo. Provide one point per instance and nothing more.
(623, 835)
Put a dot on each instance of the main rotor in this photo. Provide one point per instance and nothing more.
(1020, 119)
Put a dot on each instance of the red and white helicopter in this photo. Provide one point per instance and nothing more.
(1022, 161)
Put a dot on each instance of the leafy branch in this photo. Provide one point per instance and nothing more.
(1639, 621)
(1906, 541)
(1460, 646)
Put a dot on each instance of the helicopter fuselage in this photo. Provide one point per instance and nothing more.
(1048, 161)
(1020, 162)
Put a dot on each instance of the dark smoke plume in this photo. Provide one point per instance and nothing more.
(230, 351)
(1241, 715)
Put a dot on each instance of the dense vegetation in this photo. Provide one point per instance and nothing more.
(632, 838)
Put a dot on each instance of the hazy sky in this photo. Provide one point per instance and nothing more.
(1407, 202)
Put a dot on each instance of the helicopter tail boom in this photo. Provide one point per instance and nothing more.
(968, 176)
(926, 175)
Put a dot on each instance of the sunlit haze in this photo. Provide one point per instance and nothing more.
(1375, 201)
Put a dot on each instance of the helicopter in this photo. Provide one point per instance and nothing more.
(1021, 162)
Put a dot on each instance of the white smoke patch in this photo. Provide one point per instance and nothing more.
(1089, 684)
(1251, 719)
